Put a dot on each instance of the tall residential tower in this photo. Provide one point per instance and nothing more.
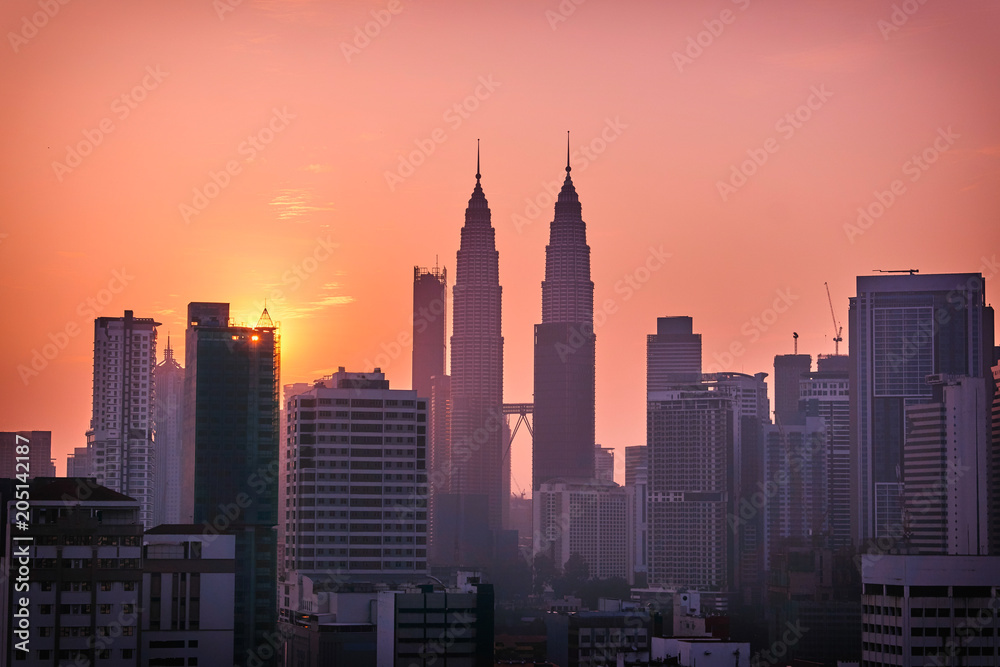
(121, 425)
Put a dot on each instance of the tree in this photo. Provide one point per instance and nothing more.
(546, 572)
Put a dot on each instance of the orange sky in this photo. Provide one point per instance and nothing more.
(300, 120)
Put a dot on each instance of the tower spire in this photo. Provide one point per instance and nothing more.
(568, 168)
(477, 161)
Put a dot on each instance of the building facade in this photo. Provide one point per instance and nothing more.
(39, 462)
(230, 463)
(788, 372)
(188, 596)
(690, 435)
(930, 610)
(356, 454)
(431, 625)
(826, 393)
(585, 517)
(85, 582)
(122, 420)
(430, 307)
(903, 328)
(673, 354)
(946, 469)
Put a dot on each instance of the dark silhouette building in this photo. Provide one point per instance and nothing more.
(564, 350)
(788, 371)
(473, 469)
(230, 462)
(673, 354)
(430, 305)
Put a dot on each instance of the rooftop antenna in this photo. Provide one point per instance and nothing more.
(795, 338)
(568, 168)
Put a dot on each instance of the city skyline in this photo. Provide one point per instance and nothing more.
(305, 219)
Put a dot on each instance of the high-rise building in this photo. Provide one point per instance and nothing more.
(563, 443)
(929, 610)
(430, 306)
(78, 463)
(39, 462)
(188, 596)
(690, 435)
(84, 593)
(439, 459)
(636, 487)
(230, 463)
(122, 420)
(474, 464)
(635, 458)
(356, 477)
(994, 492)
(169, 419)
(788, 371)
(903, 328)
(673, 354)
(946, 469)
(751, 416)
(604, 463)
(287, 392)
(795, 492)
(587, 517)
(826, 393)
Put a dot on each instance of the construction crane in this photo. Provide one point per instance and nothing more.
(910, 271)
(795, 339)
(836, 328)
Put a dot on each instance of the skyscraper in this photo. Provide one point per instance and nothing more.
(826, 393)
(430, 306)
(788, 371)
(750, 417)
(474, 466)
(230, 463)
(903, 328)
(121, 425)
(564, 349)
(690, 436)
(673, 354)
(169, 417)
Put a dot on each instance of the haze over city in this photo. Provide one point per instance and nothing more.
(158, 154)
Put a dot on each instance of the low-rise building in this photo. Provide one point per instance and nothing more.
(188, 596)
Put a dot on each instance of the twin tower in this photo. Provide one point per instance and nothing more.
(473, 481)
